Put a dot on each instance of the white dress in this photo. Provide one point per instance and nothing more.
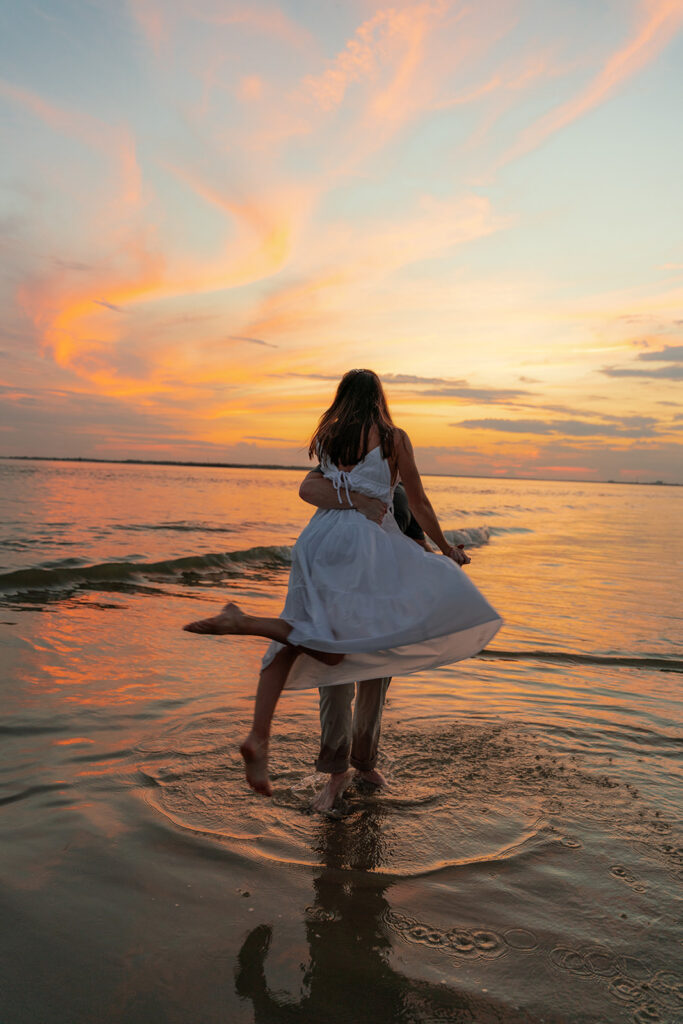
(369, 592)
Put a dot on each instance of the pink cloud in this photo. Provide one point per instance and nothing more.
(153, 20)
(158, 20)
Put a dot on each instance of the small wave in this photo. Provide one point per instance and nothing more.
(181, 526)
(68, 577)
(471, 536)
(566, 657)
(69, 574)
(501, 531)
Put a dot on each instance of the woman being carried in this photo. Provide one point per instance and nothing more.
(363, 600)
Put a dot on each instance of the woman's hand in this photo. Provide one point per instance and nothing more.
(373, 509)
(457, 553)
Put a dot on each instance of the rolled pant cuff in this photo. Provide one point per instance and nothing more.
(363, 766)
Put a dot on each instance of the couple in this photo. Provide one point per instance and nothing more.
(364, 601)
(341, 732)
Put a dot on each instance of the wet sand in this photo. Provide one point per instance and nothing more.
(506, 876)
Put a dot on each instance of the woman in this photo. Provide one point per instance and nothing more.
(363, 600)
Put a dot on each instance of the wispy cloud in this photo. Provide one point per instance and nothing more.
(445, 387)
(252, 341)
(589, 459)
(661, 373)
(114, 141)
(275, 440)
(658, 21)
(387, 50)
(411, 378)
(642, 461)
(670, 354)
(645, 427)
(152, 19)
(473, 394)
(262, 19)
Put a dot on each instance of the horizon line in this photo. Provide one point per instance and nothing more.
(270, 465)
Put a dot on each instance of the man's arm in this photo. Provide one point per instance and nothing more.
(317, 490)
(420, 504)
(407, 522)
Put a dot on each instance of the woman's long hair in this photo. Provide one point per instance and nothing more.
(342, 432)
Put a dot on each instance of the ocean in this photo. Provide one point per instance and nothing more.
(524, 866)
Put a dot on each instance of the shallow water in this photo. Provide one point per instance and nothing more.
(525, 864)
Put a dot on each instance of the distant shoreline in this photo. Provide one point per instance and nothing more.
(305, 469)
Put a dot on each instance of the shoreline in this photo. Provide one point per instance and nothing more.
(305, 469)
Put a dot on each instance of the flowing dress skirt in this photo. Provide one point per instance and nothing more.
(374, 595)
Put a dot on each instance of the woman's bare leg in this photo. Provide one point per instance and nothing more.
(232, 620)
(272, 679)
(254, 750)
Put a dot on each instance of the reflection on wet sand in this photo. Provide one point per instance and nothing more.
(349, 976)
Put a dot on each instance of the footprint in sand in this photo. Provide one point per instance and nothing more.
(624, 875)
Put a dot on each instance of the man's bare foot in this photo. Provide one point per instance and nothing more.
(373, 778)
(334, 787)
(230, 620)
(255, 754)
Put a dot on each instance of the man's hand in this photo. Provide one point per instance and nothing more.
(317, 490)
(457, 553)
(373, 509)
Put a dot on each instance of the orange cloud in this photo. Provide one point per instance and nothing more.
(73, 312)
(411, 29)
(389, 45)
(343, 267)
(358, 60)
(401, 61)
(269, 218)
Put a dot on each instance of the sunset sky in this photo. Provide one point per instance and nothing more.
(210, 210)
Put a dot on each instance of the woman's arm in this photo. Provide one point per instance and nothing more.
(317, 490)
(419, 503)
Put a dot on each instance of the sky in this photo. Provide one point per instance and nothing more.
(209, 211)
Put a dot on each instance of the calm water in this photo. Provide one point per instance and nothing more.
(525, 865)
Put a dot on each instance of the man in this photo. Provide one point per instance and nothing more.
(350, 740)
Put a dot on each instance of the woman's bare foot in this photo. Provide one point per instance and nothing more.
(334, 787)
(230, 620)
(255, 754)
(373, 778)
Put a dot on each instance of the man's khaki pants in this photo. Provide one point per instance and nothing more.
(346, 736)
